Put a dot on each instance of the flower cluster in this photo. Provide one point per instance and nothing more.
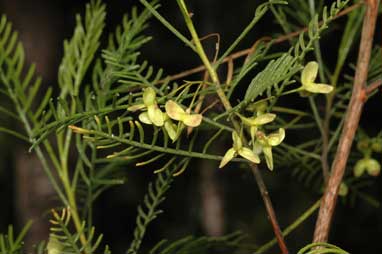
(152, 114)
(238, 148)
(261, 143)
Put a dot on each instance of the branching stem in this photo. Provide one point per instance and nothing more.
(246, 52)
(227, 105)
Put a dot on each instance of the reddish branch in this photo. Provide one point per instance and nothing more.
(246, 52)
(373, 86)
(359, 95)
(270, 210)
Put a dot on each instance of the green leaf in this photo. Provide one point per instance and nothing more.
(10, 244)
(275, 72)
(81, 49)
(349, 36)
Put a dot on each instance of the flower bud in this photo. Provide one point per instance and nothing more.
(237, 144)
(149, 96)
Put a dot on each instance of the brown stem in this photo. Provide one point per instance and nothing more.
(227, 105)
(270, 210)
(350, 125)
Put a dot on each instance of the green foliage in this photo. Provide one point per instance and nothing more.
(275, 72)
(80, 50)
(150, 209)
(12, 244)
(20, 89)
(199, 245)
(317, 248)
(62, 241)
(103, 122)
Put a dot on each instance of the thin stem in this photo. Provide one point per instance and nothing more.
(353, 115)
(246, 52)
(324, 125)
(291, 227)
(203, 56)
(73, 206)
(324, 130)
(150, 147)
(243, 34)
(167, 24)
(228, 107)
(63, 144)
(40, 155)
(269, 208)
(317, 48)
(373, 86)
(243, 103)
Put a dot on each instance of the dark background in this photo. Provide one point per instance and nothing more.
(24, 190)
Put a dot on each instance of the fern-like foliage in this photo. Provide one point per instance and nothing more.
(276, 71)
(80, 50)
(104, 116)
(315, 28)
(63, 241)
(19, 88)
(149, 210)
(200, 245)
(120, 58)
(136, 145)
(279, 73)
(11, 243)
(305, 158)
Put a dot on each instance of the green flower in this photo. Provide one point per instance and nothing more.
(255, 122)
(308, 75)
(238, 149)
(153, 115)
(176, 112)
(171, 129)
(168, 125)
(267, 142)
(372, 166)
